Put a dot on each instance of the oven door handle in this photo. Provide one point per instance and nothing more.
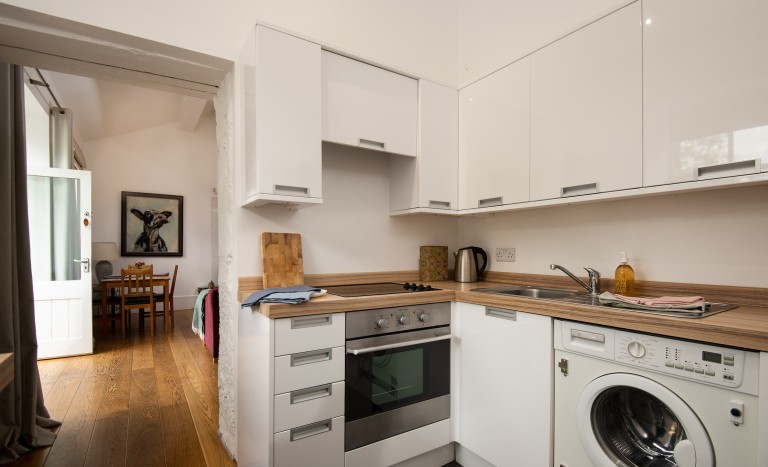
(397, 345)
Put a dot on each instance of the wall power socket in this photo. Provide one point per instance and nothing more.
(505, 255)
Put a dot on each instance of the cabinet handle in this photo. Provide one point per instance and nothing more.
(301, 322)
(489, 202)
(499, 313)
(315, 356)
(728, 169)
(311, 430)
(439, 204)
(575, 190)
(288, 190)
(369, 143)
(308, 394)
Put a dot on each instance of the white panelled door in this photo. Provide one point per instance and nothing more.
(60, 240)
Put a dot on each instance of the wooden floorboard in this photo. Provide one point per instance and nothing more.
(73, 440)
(145, 430)
(149, 401)
(182, 447)
(108, 443)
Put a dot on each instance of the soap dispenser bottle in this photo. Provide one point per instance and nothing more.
(625, 277)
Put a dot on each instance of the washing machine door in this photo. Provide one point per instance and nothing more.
(628, 420)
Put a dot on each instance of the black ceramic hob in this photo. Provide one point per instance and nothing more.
(381, 288)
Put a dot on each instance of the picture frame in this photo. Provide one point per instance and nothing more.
(151, 224)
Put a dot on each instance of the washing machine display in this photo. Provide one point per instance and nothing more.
(619, 402)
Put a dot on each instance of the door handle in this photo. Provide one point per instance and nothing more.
(86, 262)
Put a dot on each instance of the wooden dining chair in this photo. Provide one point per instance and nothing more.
(160, 298)
(136, 292)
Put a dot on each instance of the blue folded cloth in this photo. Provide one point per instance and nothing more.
(293, 295)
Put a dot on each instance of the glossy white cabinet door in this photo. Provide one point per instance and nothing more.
(431, 180)
(586, 110)
(506, 385)
(494, 138)
(705, 97)
(367, 106)
(282, 96)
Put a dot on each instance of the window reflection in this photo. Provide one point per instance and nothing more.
(739, 145)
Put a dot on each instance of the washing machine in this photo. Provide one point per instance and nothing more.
(631, 399)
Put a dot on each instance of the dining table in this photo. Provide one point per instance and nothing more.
(109, 283)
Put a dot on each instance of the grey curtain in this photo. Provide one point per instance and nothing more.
(24, 420)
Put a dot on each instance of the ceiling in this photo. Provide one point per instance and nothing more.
(103, 108)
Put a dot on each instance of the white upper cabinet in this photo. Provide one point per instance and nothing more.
(705, 97)
(430, 181)
(282, 119)
(586, 115)
(367, 106)
(494, 138)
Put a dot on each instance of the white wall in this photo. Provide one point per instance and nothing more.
(162, 160)
(713, 237)
(419, 37)
(351, 231)
(495, 33)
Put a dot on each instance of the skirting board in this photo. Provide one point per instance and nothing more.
(467, 458)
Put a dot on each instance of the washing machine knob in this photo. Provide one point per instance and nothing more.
(636, 349)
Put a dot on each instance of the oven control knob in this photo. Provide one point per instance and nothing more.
(402, 319)
(382, 323)
(636, 349)
(423, 317)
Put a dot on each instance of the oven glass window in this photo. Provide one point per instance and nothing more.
(397, 376)
(381, 381)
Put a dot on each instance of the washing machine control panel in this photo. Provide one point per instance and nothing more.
(691, 360)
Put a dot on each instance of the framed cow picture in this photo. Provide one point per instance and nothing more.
(152, 225)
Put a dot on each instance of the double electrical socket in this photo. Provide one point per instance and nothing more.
(505, 255)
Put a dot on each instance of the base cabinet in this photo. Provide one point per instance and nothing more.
(505, 406)
(290, 390)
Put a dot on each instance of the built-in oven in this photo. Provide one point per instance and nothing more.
(398, 371)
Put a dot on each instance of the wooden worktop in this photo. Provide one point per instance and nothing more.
(745, 327)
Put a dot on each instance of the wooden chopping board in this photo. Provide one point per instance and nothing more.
(281, 259)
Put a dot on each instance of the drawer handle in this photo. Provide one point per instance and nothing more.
(499, 313)
(439, 204)
(288, 190)
(315, 356)
(308, 394)
(369, 143)
(728, 169)
(301, 322)
(576, 190)
(490, 202)
(312, 429)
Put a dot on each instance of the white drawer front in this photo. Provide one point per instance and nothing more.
(308, 369)
(319, 445)
(305, 406)
(303, 333)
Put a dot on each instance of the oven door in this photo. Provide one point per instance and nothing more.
(396, 383)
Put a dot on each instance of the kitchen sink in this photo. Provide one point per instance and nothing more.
(532, 292)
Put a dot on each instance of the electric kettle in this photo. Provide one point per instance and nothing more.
(467, 269)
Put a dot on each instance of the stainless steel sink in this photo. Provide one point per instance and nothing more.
(532, 292)
(581, 298)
